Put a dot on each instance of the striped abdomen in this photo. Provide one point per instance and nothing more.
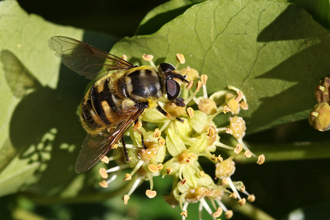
(100, 107)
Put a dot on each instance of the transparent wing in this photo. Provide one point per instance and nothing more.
(94, 148)
(85, 59)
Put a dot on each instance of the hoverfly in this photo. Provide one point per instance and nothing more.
(115, 101)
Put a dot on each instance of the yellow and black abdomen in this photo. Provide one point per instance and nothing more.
(100, 107)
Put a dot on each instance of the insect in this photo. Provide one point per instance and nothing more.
(115, 101)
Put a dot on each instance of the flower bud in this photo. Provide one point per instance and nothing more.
(319, 118)
(225, 169)
(191, 73)
(208, 106)
(237, 125)
(174, 110)
(322, 90)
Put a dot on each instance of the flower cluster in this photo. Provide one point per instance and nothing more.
(186, 136)
(319, 117)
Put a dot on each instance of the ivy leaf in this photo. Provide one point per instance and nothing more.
(41, 135)
(319, 9)
(163, 14)
(271, 50)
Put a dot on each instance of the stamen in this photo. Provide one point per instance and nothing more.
(180, 58)
(229, 214)
(135, 185)
(149, 59)
(151, 194)
(112, 178)
(218, 213)
(251, 198)
(126, 198)
(103, 184)
(242, 202)
(138, 165)
(219, 144)
(190, 112)
(261, 159)
(103, 173)
(206, 206)
(232, 186)
(105, 160)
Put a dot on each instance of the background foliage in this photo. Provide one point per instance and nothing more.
(274, 51)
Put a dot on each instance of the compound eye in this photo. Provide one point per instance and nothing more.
(172, 89)
(166, 67)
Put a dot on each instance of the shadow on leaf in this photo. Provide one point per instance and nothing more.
(45, 128)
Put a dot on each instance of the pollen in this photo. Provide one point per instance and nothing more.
(126, 198)
(211, 135)
(180, 58)
(103, 173)
(103, 184)
(190, 112)
(198, 85)
(247, 154)
(202, 174)
(160, 166)
(153, 168)
(169, 170)
(229, 214)
(161, 142)
(190, 85)
(218, 213)
(251, 198)
(242, 202)
(182, 182)
(238, 148)
(261, 159)
(105, 160)
(127, 177)
(204, 79)
(244, 105)
(157, 133)
(147, 57)
(151, 193)
(234, 195)
(184, 213)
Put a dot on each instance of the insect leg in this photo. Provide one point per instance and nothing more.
(161, 110)
(125, 149)
(142, 141)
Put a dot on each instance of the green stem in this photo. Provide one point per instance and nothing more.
(288, 151)
(90, 197)
(247, 209)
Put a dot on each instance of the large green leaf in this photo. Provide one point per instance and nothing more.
(319, 9)
(273, 51)
(40, 130)
(163, 14)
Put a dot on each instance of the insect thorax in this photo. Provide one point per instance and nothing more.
(143, 83)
